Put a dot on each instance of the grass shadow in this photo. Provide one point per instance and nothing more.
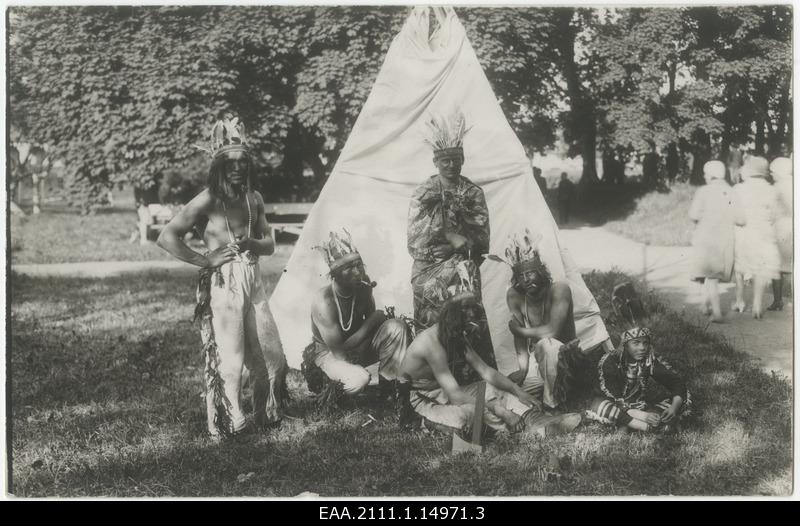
(108, 402)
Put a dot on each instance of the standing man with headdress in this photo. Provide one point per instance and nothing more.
(231, 300)
(446, 368)
(351, 339)
(448, 220)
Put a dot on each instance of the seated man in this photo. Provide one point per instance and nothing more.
(625, 387)
(445, 369)
(351, 340)
(541, 320)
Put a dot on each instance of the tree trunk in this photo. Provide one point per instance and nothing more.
(708, 28)
(760, 142)
(582, 111)
(650, 168)
(316, 165)
(292, 164)
(702, 154)
(673, 162)
(588, 153)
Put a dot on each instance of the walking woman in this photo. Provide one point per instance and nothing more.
(715, 212)
(756, 248)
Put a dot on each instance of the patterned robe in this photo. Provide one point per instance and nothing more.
(434, 211)
(625, 384)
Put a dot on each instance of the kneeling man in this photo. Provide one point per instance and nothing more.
(352, 341)
(445, 371)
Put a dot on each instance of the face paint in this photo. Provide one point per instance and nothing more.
(236, 168)
(352, 275)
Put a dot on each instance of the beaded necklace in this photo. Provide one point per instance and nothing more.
(336, 297)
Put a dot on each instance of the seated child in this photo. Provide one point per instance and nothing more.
(625, 387)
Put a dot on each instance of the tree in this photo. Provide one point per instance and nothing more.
(752, 58)
(652, 103)
(574, 27)
(122, 93)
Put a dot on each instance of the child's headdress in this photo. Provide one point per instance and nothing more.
(630, 312)
(226, 135)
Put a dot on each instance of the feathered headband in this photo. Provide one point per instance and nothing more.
(522, 253)
(226, 135)
(630, 312)
(464, 288)
(446, 134)
(339, 251)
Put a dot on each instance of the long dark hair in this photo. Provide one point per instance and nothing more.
(452, 322)
(218, 185)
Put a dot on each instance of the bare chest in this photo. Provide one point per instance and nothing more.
(229, 224)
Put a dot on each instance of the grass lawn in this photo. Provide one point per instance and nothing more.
(106, 390)
(660, 218)
(61, 235)
(65, 236)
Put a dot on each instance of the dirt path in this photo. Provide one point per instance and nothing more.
(102, 269)
(665, 270)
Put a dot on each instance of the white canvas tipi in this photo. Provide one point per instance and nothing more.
(384, 160)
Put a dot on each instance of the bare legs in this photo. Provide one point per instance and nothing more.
(759, 284)
(711, 298)
(739, 306)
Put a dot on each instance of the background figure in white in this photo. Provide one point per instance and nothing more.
(781, 171)
(715, 212)
(756, 248)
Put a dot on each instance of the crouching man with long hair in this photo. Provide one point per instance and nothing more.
(445, 371)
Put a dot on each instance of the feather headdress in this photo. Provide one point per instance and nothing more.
(446, 133)
(339, 251)
(522, 253)
(226, 135)
(630, 312)
(464, 288)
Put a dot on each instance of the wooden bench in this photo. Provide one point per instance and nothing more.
(287, 217)
(282, 217)
(153, 218)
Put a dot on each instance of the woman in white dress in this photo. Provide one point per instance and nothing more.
(756, 248)
(715, 212)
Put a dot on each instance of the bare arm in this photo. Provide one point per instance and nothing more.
(559, 314)
(332, 334)
(520, 343)
(437, 361)
(494, 378)
(171, 237)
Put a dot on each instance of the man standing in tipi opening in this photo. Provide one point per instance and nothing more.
(448, 221)
(382, 179)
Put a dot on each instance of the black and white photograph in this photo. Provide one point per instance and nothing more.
(307, 252)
